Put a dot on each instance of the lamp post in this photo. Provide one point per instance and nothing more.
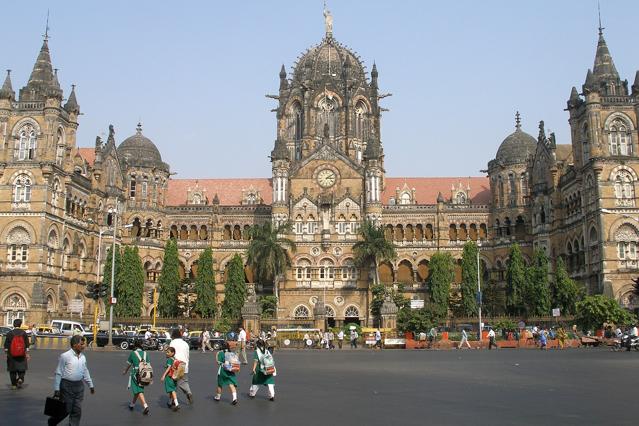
(479, 290)
(98, 286)
(114, 213)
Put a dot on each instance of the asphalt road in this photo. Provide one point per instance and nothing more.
(578, 386)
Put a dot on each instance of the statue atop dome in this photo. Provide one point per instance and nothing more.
(328, 22)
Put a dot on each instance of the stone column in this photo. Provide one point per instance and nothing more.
(319, 314)
(388, 313)
(38, 308)
(251, 312)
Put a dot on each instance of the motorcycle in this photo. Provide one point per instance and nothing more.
(627, 342)
(150, 344)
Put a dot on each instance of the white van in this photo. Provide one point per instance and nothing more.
(69, 328)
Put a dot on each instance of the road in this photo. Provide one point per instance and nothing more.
(578, 386)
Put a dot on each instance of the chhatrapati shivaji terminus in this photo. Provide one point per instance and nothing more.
(575, 199)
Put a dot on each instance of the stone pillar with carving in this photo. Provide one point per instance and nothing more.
(251, 312)
(319, 313)
(38, 309)
(388, 313)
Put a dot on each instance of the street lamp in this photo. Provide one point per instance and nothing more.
(479, 289)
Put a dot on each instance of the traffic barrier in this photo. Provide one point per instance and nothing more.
(52, 342)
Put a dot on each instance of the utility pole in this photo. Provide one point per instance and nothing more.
(479, 290)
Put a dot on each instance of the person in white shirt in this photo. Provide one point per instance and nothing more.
(378, 339)
(491, 339)
(464, 339)
(634, 331)
(241, 345)
(340, 338)
(148, 335)
(206, 339)
(182, 354)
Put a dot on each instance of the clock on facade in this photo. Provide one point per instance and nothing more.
(326, 178)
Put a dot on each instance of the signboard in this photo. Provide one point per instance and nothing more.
(555, 312)
(416, 303)
(104, 325)
(76, 306)
(393, 342)
(114, 300)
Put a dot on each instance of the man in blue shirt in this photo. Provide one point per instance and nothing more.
(69, 374)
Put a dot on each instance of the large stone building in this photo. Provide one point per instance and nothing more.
(59, 201)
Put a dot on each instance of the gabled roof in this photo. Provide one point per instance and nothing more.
(427, 188)
(88, 154)
(229, 191)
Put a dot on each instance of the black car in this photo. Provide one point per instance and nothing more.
(124, 341)
(195, 341)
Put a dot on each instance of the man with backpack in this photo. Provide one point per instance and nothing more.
(16, 347)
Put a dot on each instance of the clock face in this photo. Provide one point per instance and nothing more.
(326, 178)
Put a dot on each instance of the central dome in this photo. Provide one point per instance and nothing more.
(516, 148)
(329, 60)
(138, 150)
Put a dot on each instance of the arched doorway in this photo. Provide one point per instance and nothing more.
(330, 316)
(351, 315)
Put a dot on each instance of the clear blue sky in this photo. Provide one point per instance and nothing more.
(196, 73)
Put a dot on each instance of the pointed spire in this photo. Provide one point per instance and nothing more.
(7, 89)
(72, 103)
(574, 99)
(42, 78)
(374, 75)
(283, 80)
(279, 151)
(542, 132)
(635, 86)
(373, 149)
(517, 121)
(282, 72)
(604, 66)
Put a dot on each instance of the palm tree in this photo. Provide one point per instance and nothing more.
(268, 252)
(373, 247)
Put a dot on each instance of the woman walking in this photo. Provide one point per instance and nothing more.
(170, 386)
(133, 363)
(226, 375)
(265, 374)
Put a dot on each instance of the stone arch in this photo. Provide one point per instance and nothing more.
(452, 232)
(619, 116)
(388, 232)
(419, 232)
(405, 272)
(22, 224)
(50, 298)
(423, 271)
(352, 311)
(184, 232)
(399, 233)
(463, 232)
(301, 311)
(386, 273)
(428, 232)
(409, 233)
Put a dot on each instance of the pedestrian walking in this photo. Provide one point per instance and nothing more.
(326, 341)
(68, 384)
(16, 348)
(170, 386)
(543, 340)
(491, 339)
(340, 338)
(226, 375)
(378, 339)
(307, 339)
(241, 345)
(182, 355)
(206, 341)
(34, 336)
(136, 356)
(464, 339)
(263, 371)
(354, 337)
(432, 336)
(331, 339)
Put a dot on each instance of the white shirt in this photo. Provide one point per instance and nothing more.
(633, 332)
(71, 366)
(491, 333)
(181, 352)
(378, 335)
(241, 337)
(340, 335)
(147, 335)
(206, 336)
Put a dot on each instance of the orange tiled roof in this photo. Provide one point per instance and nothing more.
(88, 154)
(427, 188)
(229, 191)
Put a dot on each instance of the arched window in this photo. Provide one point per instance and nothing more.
(361, 125)
(619, 138)
(59, 153)
(524, 187)
(513, 189)
(66, 252)
(585, 143)
(626, 237)
(326, 271)
(297, 122)
(132, 185)
(22, 189)
(18, 242)
(327, 118)
(15, 306)
(624, 189)
(330, 312)
(52, 244)
(303, 270)
(405, 198)
(301, 312)
(27, 143)
(83, 255)
(349, 270)
(351, 312)
(500, 182)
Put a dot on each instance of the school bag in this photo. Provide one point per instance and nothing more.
(231, 362)
(145, 371)
(267, 363)
(18, 348)
(178, 370)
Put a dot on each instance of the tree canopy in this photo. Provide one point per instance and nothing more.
(130, 284)
(169, 281)
(594, 311)
(515, 281)
(442, 273)
(468, 303)
(536, 292)
(373, 248)
(234, 290)
(206, 304)
(565, 291)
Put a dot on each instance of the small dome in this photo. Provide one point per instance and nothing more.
(328, 60)
(138, 150)
(517, 146)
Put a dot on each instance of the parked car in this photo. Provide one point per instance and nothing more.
(195, 341)
(46, 330)
(124, 341)
(4, 330)
(69, 328)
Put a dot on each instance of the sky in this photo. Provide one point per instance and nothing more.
(195, 72)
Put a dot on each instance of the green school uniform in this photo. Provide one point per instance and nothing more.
(224, 377)
(134, 362)
(260, 378)
(169, 383)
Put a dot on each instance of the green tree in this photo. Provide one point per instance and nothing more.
(269, 306)
(442, 273)
(593, 311)
(493, 300)
(169, 281)
(130, 284)
(417, 320)
(536, 294)
(373, 248)
(234, 290)
(378, 293)
(468, 304)
(565, 292)
(268, 252)
(205, 304)
(106, 278)
(515, 281)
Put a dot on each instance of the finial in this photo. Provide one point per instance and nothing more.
(517, 120)
(328, 22)
(73, 87)
(282, 72)
(8, 73)
(599, 13)
(46, 29)
(138, 129)
(55, 71)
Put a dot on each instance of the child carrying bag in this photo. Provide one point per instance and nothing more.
(267, 363)
(145, 371)
(231, 362)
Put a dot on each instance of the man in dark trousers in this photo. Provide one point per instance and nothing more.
(16, 347)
